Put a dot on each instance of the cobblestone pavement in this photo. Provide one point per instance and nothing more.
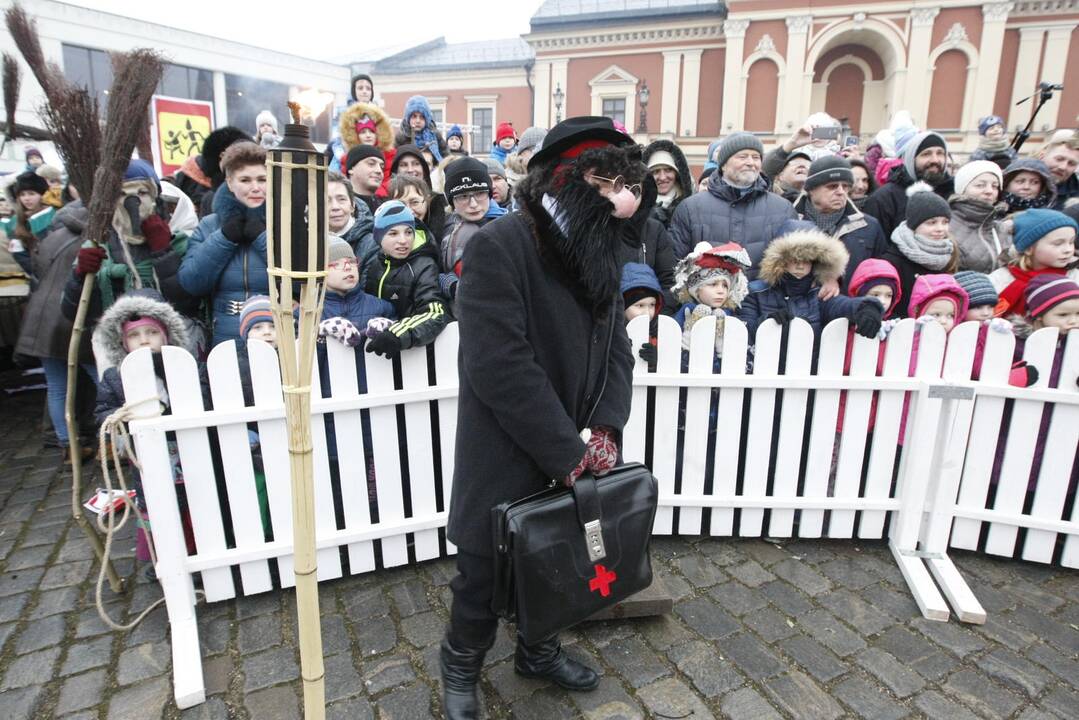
(759, 630)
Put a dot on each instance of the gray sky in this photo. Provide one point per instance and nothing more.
(339, 27)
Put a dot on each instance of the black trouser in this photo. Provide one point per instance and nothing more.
(472, 623)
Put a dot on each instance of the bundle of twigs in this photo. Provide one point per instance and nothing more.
(12, 80)
(23, 31)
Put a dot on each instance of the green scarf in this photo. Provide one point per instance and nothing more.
(115, 270)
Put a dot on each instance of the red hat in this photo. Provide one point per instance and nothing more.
(505, 130)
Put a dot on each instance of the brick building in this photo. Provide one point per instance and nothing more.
(759, 65)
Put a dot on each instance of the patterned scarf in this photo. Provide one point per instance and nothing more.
(932, 254)
(827, 222)
(1016, 203)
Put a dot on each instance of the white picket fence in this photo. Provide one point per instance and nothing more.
(771, 471)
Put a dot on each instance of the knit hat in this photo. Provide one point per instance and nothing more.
(494, 167)
(736, 143)
(140, 170)
(530, 138)
(989, 121)
(144, 321)
(923, 204)
(362, 152)
(1046, 291)
(828, 169)
(1030, 226)
(464, 176)
(265, 118)
(707, 264)
(256, 309)
(919, 143)
(979, 288)
(30, 151)
(340, 250)
(389, 214)
(31, 181)
(966, 174)
(505, 130)
(49, 172)
(455, 131)
(661, 158)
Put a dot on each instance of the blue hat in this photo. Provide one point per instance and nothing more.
(455, 130)
(393, 212)
(989, 121)
(1032, 225)
(140, 170)
(979, 288)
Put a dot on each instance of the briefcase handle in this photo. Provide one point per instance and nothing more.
(590, 515)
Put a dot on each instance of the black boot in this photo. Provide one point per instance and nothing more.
(547, 661)
(461, 668)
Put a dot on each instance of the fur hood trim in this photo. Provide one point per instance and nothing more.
(828, 255)
(109, 332)
(357, 110)
(917, 187)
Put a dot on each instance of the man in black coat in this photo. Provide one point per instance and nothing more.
(544, 355)
(925, 158)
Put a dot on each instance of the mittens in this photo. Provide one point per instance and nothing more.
(600, 455)
(385, 344)
(1023, 375)
(649, 353)
(376, 326)
(782, 317)
(89, 260)
(340, 329)
(254, 225)
(157, 233)
(233, 229)
(867, 318)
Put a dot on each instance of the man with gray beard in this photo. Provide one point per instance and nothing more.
(738, 206)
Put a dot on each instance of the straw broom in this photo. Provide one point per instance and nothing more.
(296, 366)
(12, 81)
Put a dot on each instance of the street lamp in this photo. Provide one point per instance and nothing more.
(559, 96)
(644, 94)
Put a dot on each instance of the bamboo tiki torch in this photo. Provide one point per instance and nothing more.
(296, 254)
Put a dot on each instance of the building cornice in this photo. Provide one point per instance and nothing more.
(627, 35)
(1045, 7)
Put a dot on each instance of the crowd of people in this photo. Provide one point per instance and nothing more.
(817, 228)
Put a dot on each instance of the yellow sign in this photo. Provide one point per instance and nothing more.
(181, 127)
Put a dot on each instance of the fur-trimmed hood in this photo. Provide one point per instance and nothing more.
(355, 111)
(685, 178)
(109, 332)
(828, 255)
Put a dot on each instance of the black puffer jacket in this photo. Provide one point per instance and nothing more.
(888, 204)
(411, 285)
(685, 178)
(858, 232)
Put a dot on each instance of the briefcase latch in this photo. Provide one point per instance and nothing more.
(593, 536)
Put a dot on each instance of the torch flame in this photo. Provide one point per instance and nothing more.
(313, 101)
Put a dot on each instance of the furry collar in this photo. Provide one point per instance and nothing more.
(109, 333)
(828, 255)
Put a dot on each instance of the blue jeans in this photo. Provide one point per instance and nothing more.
(56, 395)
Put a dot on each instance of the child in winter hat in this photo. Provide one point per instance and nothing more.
(711, 281)
(877, 278)
(505, 142)
(1043, 242)
(1053, 301)
(266, 133)
(348, 312)
(941, 298)
(993, 142)
(256, 320)
(455, 140)
(983, 296)
(642, 295)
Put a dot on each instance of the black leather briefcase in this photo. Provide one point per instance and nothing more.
(562, 555)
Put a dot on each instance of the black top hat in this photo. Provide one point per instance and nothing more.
(573, 130)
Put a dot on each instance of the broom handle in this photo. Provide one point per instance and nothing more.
(115, 582)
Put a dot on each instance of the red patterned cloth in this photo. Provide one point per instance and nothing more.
(600, 455)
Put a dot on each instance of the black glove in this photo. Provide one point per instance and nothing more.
(782, 317)
(254, 225)
(385, 344)
(233, 229)
(649, 353)
(867, 318)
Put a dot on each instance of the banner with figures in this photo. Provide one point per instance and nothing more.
(180, 127)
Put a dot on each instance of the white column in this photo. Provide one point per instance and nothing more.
(797, 89)
(921, 37)
(1026, 74)
(221, 102)
(995, 16)
(668, 104)
(691, 85)
(1054, 63)
(542, 114)
(733, 113)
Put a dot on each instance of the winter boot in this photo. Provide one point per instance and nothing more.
(461, 668)
(547, 661)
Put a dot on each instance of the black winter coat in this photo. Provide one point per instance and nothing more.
(859, 233)
(411, 285)
(656, 252)
(535, 360)
(888, 203)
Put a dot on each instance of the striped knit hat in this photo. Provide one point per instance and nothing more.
(1046, 291)
(393, 212)
(255, 310)
(979, 288)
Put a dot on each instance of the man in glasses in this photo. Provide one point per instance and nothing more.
(738, 206)
(544, 354)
